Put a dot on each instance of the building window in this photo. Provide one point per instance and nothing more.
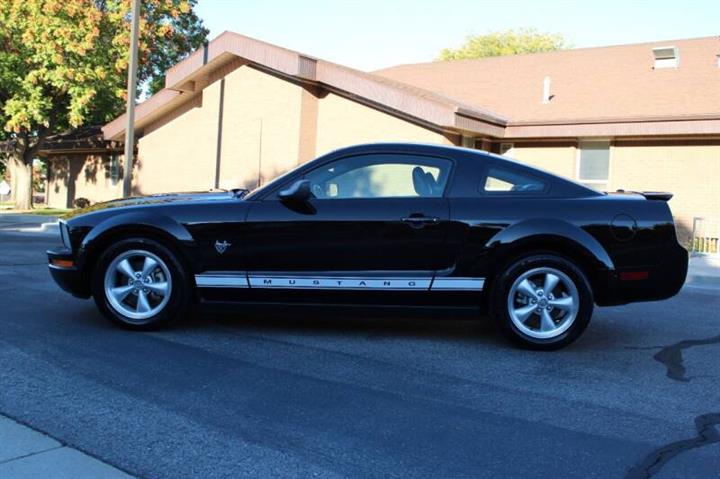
(506, 149)
(666, 57)
(468, 142)
(594, 164)
(114, 169)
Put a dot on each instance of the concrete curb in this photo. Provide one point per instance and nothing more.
(22, 223)
(704, 271)
(703, 281)
(51, 227)
(26, 453)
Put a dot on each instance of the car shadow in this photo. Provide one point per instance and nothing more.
(377, 327)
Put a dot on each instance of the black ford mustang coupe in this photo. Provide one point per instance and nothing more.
(385, 225)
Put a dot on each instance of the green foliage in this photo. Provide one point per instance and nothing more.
(508, 42)
(63, 63)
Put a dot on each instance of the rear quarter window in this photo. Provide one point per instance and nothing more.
(500, 180)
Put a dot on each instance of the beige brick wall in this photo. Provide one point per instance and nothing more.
(556, 159)
(342, 122)
(180, 155)
(260, 129)
(690, 172)
(81, 176)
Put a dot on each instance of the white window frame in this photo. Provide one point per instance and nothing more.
(578, 156)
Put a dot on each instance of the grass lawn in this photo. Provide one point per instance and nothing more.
(38, 211)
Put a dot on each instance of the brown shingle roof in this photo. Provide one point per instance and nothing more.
(605, 83)
(605, 91)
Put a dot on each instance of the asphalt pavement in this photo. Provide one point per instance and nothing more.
(280, 394)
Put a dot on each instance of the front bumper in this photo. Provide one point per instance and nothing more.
(69, 278)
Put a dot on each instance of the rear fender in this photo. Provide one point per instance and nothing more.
(556, 235)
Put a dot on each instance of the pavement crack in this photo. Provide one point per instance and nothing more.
(35, 453)
(672, 356)
(708, 433)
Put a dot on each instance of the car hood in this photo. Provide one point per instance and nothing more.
(157, 200)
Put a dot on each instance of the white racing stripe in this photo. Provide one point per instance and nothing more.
(458, 284)
(221, 281)
(292, 281)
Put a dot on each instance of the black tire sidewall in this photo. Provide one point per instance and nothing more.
(181, 287)
(501, 289)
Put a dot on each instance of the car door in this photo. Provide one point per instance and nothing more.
(373, 221)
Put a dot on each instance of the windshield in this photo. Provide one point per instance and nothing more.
(271, 184)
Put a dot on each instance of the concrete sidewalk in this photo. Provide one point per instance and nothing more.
(704, 270)
(28, 223)
(26, 453)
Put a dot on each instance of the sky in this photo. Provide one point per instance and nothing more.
(372, 34)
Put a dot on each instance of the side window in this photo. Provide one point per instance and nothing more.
(381, 176)
(507, 181)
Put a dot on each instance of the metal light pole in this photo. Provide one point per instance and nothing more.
(131, 93)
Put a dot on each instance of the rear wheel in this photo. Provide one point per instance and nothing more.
(542, 301)
(140, 284)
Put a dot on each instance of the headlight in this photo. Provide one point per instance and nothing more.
(65, 235)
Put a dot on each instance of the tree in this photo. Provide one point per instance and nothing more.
(508, 42)
(63, 64)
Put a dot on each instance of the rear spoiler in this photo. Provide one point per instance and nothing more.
(651, 195)
(657, 195)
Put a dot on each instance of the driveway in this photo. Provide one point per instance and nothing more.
(280, 394)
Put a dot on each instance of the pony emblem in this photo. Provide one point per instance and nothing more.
(221, 247)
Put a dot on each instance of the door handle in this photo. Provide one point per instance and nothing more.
(419, 221)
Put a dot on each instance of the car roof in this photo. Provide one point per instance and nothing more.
(454, 152)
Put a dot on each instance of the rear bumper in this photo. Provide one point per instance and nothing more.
(662, 281)
(70, 279)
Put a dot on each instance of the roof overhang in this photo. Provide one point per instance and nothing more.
(230, 49)
(614, 127)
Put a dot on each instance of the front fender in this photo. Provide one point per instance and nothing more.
(133, 223)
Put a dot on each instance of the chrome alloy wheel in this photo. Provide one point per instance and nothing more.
(138, 285)
(543, 303)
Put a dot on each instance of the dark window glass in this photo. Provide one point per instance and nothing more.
(381, 176)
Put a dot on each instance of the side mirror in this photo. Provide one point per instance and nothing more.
(298, 192)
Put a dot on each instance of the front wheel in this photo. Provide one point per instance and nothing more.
(542, 302)
(140, 284)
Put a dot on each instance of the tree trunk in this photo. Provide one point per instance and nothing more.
(22, 182)
(13, 178)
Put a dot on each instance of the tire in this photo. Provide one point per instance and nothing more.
(523, 290)
(167, 290)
